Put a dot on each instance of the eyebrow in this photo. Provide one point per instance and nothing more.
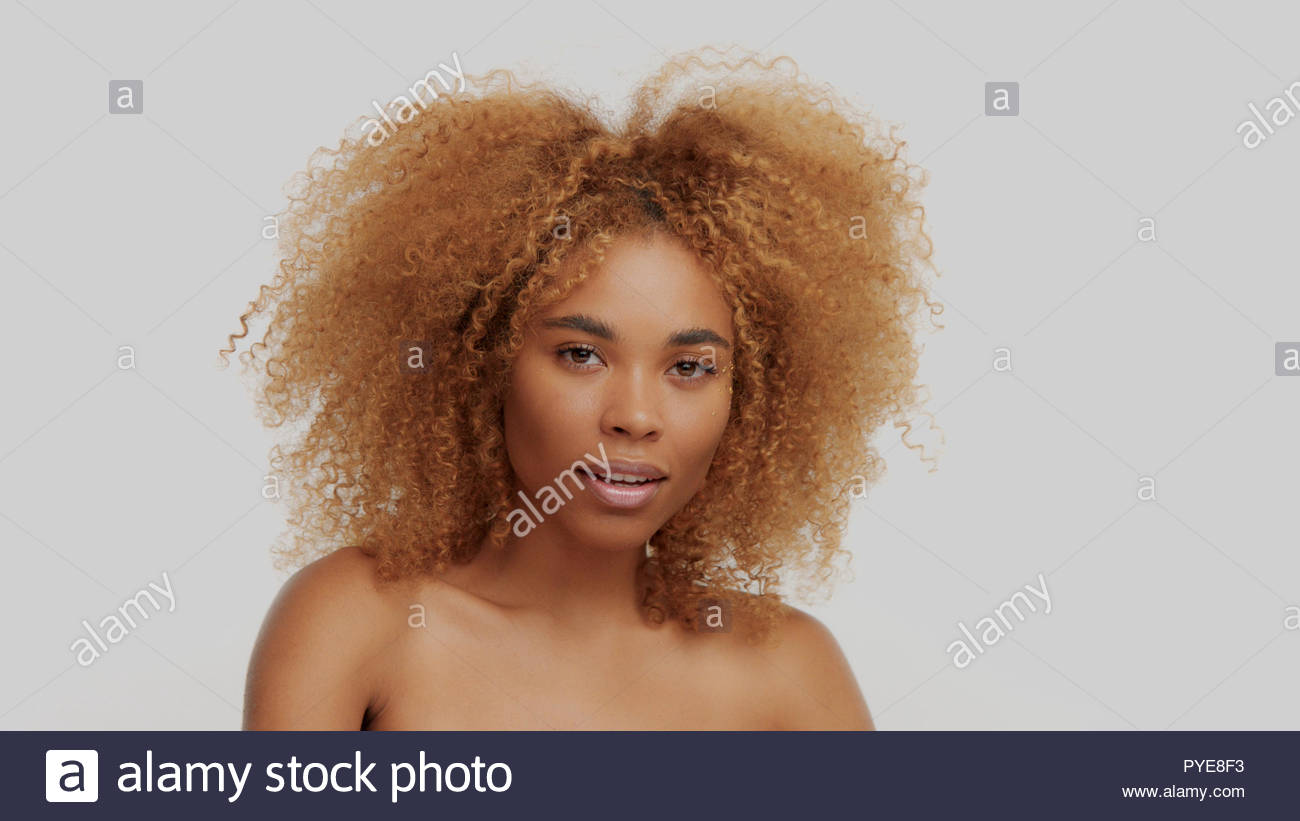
(602, 329)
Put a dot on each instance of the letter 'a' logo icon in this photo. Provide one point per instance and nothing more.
(71, 775)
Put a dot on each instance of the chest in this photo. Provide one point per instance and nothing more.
(457, 682)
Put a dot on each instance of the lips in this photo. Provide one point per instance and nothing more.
(625, 495)
(641, 469)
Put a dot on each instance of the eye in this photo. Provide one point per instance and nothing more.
(581, 350)
(698, 370)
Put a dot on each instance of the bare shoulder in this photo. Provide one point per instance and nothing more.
(812, 686)
(312, 665)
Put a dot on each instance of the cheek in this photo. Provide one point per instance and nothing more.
(542, 415)
(698, 437)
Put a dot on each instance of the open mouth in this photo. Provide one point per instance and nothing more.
(625, 482)
(616, 479)
(621, 490)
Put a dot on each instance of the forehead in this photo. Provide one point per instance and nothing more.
(656, 281)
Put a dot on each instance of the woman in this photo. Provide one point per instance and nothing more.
(574, 396)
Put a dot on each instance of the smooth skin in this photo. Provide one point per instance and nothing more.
(545, 633)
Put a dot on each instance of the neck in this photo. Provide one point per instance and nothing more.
(580, 587)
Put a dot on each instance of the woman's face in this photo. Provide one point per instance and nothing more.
(633, 365)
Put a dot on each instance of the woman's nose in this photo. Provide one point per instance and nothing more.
(632, 404)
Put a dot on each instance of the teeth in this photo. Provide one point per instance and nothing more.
(627, 479)
(619, 478)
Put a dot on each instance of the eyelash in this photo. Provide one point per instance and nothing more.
(707, 371)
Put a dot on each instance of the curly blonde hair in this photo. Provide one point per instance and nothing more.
(450, 231)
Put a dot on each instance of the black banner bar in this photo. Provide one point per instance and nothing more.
(511, 775)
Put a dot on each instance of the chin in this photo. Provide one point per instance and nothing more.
(599, 533)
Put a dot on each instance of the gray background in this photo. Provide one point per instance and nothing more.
(1129, 358)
